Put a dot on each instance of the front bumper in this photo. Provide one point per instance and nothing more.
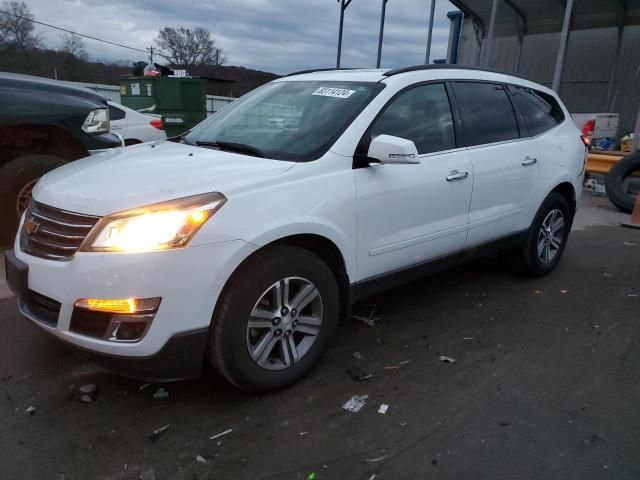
(189, 280)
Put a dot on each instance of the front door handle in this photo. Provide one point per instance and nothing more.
(456, 176)
(529, 161)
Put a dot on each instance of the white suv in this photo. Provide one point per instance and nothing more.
(246, 240)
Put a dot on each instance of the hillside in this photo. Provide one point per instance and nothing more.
(54, 64)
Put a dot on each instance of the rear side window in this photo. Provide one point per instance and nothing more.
(115, 113)
(541, 112)
(486, 112)
(422, 115)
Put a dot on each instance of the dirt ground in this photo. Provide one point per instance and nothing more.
(546, 386)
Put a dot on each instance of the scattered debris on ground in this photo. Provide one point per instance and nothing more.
(383, 408)
(142, 387)
(221, 434)
(355, 403)
(157, 433)
(357, 355)
(369, 319)
(445, 359)
(629, 244)
(201, 459)
(160, 394)
(358, 375)
(302, 434)
(399, 365)
(311, 476)
(538, 292)
(30, 410)
(88, 392)
(377, 459)
(563, 291)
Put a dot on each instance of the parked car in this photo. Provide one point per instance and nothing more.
(245, 241)
(135, 127)
(43, 125)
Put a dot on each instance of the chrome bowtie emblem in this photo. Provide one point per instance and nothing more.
(31, 226)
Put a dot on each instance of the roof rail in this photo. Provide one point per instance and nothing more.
(313, 70)
(442, 66)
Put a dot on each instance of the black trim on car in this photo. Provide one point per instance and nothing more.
(360, 158)
(379, 283)
(446, 66)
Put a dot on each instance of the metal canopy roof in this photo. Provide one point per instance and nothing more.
(524, 17)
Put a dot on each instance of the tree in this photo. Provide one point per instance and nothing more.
(16, 26)
(73, 46)
(184, 47)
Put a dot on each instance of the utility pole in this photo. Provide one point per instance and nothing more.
(382, 14)
(343, 6)
(151, 54)
(430, 32)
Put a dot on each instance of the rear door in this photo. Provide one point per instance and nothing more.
(409, 214)
(504, 161)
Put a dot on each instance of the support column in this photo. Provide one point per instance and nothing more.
(562, 50)
(343, 7)
(491, 34)
(614, 71)
(381, 34)
(430, 32)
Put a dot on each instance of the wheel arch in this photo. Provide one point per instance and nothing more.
(19, 140)
(567, 190)
(319, 245)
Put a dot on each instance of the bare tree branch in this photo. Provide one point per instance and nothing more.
(16, 28)
(184, 47)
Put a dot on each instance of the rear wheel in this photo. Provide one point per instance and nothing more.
(274, 319)
(547, 236)
(17, 179)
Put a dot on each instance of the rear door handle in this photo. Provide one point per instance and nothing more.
(529, 161)
(456, 176)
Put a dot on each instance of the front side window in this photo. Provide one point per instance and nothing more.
(422, 115)
(287, 120)
(487, 113)
(540, 111)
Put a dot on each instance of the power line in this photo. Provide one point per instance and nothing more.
(79, 34)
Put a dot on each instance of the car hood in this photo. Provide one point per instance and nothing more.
(131, 177)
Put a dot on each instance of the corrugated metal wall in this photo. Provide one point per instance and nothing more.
(587, 68)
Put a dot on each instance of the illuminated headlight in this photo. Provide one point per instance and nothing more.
(97, 121)
(156, 227)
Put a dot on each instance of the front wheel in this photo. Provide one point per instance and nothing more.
(547, 236)
(274, 319)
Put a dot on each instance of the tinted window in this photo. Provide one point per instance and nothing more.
(486, 111)
(115, 113)
(540, 111)
(422, 115)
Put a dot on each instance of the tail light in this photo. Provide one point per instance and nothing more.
(589, 128)
(157, 123)
(585, 140)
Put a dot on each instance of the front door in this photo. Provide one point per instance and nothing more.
(409, 214)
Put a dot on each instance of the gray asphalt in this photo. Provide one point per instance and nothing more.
(546, 386)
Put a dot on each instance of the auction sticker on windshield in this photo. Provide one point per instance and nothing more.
(334, 92)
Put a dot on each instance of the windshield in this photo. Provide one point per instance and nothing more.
(290, 120)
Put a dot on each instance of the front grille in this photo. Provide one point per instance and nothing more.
(42, 308)
(51, 233)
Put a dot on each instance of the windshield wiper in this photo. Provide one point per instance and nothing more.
(234, 147)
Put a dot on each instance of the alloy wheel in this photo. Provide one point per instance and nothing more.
(284, 323)
(551, 236)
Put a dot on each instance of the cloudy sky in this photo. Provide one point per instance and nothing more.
(273, 35)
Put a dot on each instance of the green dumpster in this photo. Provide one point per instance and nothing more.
(181, 101)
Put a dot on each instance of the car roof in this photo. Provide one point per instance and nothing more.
(418, 73)
(47, 85)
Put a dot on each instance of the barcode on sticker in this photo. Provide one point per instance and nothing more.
(334, 92)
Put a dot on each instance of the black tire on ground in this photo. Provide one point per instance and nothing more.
(227, 349)
(529, 261)
(615, 180)
(14, 175)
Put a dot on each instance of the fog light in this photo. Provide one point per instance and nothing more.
(120, 305)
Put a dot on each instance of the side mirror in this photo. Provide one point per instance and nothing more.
(390, 149)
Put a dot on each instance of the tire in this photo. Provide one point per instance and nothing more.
(248, 292)
(16, 175)
(533, 261)
(614, 182)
